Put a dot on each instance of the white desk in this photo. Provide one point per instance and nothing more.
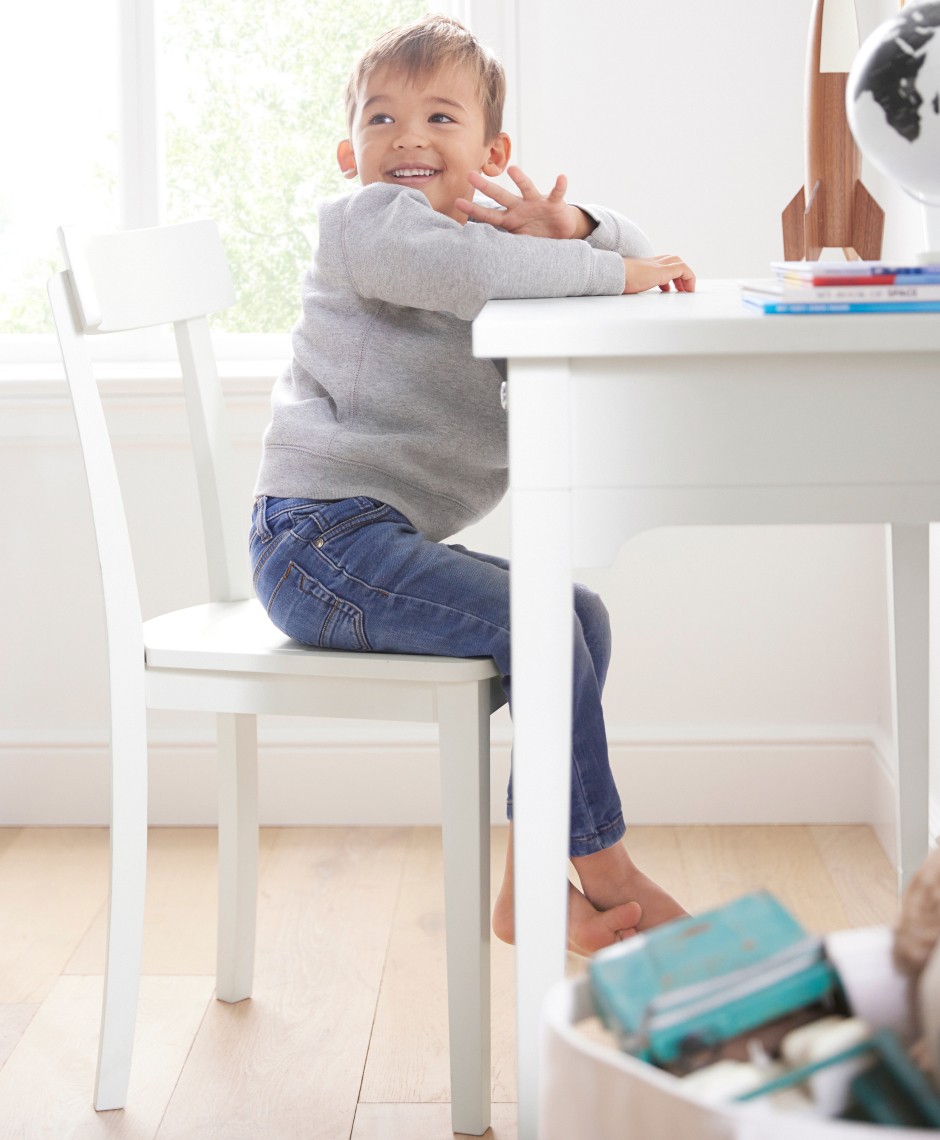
(627, 413)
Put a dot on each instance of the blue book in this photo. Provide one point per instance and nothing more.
(701, 980)
(763, 305)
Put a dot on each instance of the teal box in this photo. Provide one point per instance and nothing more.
(696, 982)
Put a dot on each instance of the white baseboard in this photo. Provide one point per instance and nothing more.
(387, 775)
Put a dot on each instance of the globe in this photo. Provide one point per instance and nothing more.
(893, 99)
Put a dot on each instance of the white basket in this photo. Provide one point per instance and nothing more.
(590, 1091)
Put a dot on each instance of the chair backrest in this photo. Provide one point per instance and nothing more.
(137, 279)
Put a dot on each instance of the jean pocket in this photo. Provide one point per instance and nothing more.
(307, 611)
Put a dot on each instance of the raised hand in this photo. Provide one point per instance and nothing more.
(529, 212)
(642, 273)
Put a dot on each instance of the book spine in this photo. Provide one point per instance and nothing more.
(868, 293)
(843, 307)
(855, 270)
(896, 281)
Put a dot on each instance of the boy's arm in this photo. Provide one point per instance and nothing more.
(548, 215)
(395, 247)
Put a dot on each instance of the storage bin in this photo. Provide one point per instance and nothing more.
(592, 1091)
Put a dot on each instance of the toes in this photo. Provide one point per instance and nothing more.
(625, 916)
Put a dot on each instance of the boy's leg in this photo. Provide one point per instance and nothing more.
(614, 888)
(609, 877)
(589, 929)
(354, 574)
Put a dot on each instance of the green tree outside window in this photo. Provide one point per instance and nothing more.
(251, 134)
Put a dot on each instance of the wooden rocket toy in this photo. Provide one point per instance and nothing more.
(833, 209)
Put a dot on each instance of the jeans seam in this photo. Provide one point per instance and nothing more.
(338, 605)
(272, 544)
(410, 598)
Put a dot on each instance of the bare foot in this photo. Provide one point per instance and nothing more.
(589, 929)
(610, 878)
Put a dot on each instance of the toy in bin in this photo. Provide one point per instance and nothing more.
(688, 986)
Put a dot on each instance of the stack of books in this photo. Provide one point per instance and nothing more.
(845, 287)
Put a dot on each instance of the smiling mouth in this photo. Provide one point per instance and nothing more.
(413, 172)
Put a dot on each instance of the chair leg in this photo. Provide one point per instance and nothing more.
(910, 557)
(127, 887)
(238, 855)
(464, 718)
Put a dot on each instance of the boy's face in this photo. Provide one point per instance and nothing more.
(427, 133)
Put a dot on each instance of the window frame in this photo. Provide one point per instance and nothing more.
(140, 178)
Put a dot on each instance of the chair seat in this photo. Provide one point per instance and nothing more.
(239, 637)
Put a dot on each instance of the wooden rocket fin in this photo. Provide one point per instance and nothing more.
(792, 217)
(813, 223)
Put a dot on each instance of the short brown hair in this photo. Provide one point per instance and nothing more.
(425, 45)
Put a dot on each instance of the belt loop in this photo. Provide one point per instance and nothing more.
(261, 521)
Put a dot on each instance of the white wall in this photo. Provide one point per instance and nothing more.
(750, 680)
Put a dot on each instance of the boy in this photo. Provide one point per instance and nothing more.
(388, 435)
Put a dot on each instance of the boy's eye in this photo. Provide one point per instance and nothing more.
(440, 117)
(376, 120)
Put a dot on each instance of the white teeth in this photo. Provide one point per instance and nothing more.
(423, 172)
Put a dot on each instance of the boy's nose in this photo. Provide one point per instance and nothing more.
(410, 138)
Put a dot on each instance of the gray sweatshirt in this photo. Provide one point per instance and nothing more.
(383, 396)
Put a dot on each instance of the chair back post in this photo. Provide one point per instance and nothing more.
(118, 578)
(223, 519)
(126, 683)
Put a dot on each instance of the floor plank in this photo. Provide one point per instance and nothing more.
(14, 1019)
(408, 1054)
(350, 974)
(722, 863)
(182, 895)
(424, 1122)
(8, 836)
(290, 1061)
(47, 1084)
(857, 865)
(53, 882)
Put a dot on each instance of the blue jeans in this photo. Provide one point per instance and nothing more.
(355, 574)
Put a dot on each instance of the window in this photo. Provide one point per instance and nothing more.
(58, 136)
(254, 110)
(251, 99)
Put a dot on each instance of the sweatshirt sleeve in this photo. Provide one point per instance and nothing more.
(614, 231)
(397, 248)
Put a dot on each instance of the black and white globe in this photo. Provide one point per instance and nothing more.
(893, 99)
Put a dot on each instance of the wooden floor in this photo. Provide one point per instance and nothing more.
(345, 1036)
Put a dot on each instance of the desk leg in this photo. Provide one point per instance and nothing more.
(910, 559)
(542, 647)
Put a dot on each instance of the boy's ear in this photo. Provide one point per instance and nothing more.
(498, 159)
(346, 159)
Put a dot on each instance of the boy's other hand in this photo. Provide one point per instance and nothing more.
(642, 273)
(534, 213)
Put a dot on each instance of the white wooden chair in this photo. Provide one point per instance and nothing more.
(226, 657)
